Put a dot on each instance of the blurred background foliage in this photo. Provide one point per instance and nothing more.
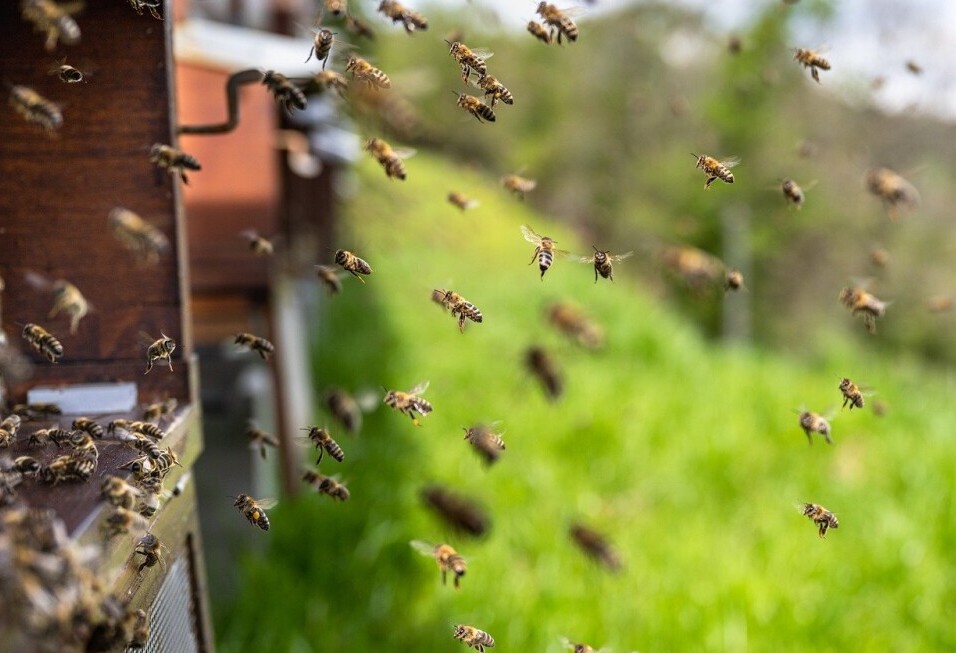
(683, 448)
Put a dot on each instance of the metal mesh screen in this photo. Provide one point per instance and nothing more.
(172, 620)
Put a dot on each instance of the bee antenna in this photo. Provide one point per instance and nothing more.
(694, 155)
(456, 94)
(594, 247)
(447, 41)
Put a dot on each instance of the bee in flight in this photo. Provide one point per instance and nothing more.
(820, 516)
(733, 280)
(576, 647)
(54, 19)
(793, 192)
(174, 160)
(473, 637)
(862, 303)
(812, 60)
(36, 108)
(538, 31)
(469, 60)
(462, 201)
(894, 190)
(602, 261)
(256, 343)
(352, 264)
(542, 366)
(347, 409)
(851, 394)
(518, 185)
(337, 7)
(67, 298)
(812, 422)
(409, 403)
(475, 107)
(492, 87)
(459, 513)
(486, 442)
(398, 13)
(43, 341)
(66, 73)
(544, 250)
(159, 350)
(254, 510)
(447, 558)
(323, 441)
(390, 159)
(259, 439)
(330, 79)
(138, 235)
(322, 41)
(596, 546)
(363, 70)
(259, 244)
(460, 307)
(289, 96)
(716, 169)
(575, 323)
(559, 21)
(329, 276)
(326, 485)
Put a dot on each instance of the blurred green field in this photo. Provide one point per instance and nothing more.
(686, 453)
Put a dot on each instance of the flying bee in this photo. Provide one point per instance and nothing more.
(574, 322)
(544, 250)
(336, 7)
(398, 13)
(486, 442)
(543, 367)
(462, 201)
(812, 60)
(473, 637)
(260, 245)
(289, 96)
(347, 409)
(359, 27)
(576, 647)
(254, 510)
(733, 280)
(518, 185)
(862, 303)
(255, 343)
(326, 485)
(366, 72)
(321, 45)
(36, 108)
(812, 422)
(475, 107)
(43, 341)
(851, 394)
(595, 546)
(329, 275)
(893, 190)
(137, 235)
(695, 267)
(447, 558)
(324, 442)
(538, 31)
(259, 439)
(602, 261)
(54, 19)
(117, 492)
(66, 73)
(498, 92)
(914, 67)
(469, 60)
(121, 521)
(154, 7)
(150, 548)
(459, 513)
(389, 158)
(332, 80)
(715, 169)
(173, 160)
(68, 299)
(460, 307)
(156, 411)
(559, 21)
(352, 264)
(409, 402)
(27, 465)
(159, 350)
(820, 516)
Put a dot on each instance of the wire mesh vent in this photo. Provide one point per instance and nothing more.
(172, 619)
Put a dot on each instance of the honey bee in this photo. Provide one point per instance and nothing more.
(476, 639)
(289, 96)
(409, 402)
(137, 235)
(150, 548)
(66, 73)
(259, 439)
(518, 185)
(145, 428)
(83, 445)
(939, 303)
(163, 462)
(336, 7)
(486, 442)
(792, 192)
(538, 31)
(862, 303)
(697, 268)
(36, 410)
(602, 261)
(820, 516)
(26, 465)
(469, 60)
(460, 308)
(459, 513)
(329, 276)
(366, 72)
(390, 159)
(359, 27)
(139, 629)
(43, 437)
(321, 45)
(851, 394)
(324, 442)
(733, 280)
(326, 485)
(398, 13)
(11, 424)
(544, 250)
(558, 20)
(812, 422)
(53, 19)
(346, 409)
(893, 190)
(498, 92)
(475, 107)
(68, 299)
(352, 264)
(67, 468)
(156, 411)
(154, 6)
(595, 546)
(574, 322)
(879, 257)
(255, 343)
(462, 201)
(36, 108)
(159, 350)
(120, 521)
(447, 558)
(914, 67)
(812, 60)
(173, 160)
(6, 438)
(543, 367)
(260, 245)
(715, 169)
(254, 510)
(579, 647)
(43, 341)
(117, 492)
(330, 79)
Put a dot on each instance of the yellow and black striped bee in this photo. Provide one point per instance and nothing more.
(36, 108)
(321, 45)
(53, 19)
(326, 485)
(89, 426)
(346, 409)
(820, 516)
(862, 303)
(558, 20)
(117, 492)
(8, 430)
(398, 13)
(462, 201)
(492, 87)
(156, 411)
(68, 299)
(329, 275)
(324, 442)
(543, 367)
(259, 439)
(255, 343)
(159, 350)
(352, 264)
(150, 548)
(254, 510)
(595, 546)
(43, 341)
(66, 73)
(67, 468)
(469, 60)
(289, 96)
(391, 159)
(460, 307)
(851, 394)
(363, 70)
(812, 422)
(893, 189)
(329, 79)
(27, 465)
(473, 637)
(259, 244)
(812, 60)
(518, 185)
(447, 558)
(578, 647)
(121, 520)
(716, 169)
(602, 261)
(544, 250)
(409, 403)
(173, 160)
(475, 107)
(137, 235)
(793, 192)
(486, 442)
(538, 31)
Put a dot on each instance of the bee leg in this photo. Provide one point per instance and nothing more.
(815, 74)
(537, 250)
(809, 437)
(709, 181)
(461, 323)
(149, 366)
(311, 50)
(182, 175)
(170, 361)
(444, 577)
(826, 436)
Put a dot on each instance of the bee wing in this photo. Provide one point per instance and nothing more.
(582, 259)
(425, 548)
(37, 280)
(482, 53)
(249, 234)
(530, 235)
(404, 152)
(620, 257)
(265, 504)
(419, 389)
(562, 252)
(730, 162)
(367, 399)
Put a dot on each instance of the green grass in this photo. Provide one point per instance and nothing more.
(685, 453)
